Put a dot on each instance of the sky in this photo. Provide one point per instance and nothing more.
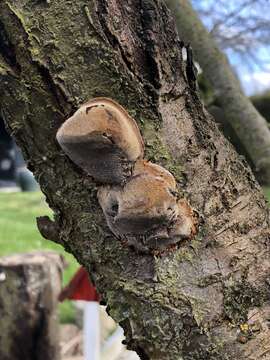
(254, 76)
(255, 82)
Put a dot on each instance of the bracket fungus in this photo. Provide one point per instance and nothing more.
(139, 199)
(103, 140)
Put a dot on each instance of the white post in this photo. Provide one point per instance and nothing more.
(91, 330)
(113, 346)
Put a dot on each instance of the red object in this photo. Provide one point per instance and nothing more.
(80, 288)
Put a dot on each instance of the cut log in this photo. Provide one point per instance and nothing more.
(29, 287)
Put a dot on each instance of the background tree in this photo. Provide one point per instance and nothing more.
(241, 29)
(262, 103)
(238, 110)
(208, 299)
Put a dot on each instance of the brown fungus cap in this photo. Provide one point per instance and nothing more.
(146, 211)
(103, 140)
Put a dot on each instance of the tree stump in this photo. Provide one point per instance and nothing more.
(29, 287)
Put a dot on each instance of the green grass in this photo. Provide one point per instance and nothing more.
(19, 233)
(266, 191)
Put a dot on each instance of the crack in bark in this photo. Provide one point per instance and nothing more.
(148, 77)
(112, 39)
(59, 95)
(148, 9)
(7, 50)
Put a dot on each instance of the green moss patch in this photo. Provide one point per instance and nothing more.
(239, 298)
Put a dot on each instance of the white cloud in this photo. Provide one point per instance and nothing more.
(256, 82)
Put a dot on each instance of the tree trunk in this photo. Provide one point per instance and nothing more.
(208, 299)
(29, 288)
(249, 125)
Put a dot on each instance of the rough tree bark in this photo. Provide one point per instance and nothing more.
(251, 128)
(210, 298)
